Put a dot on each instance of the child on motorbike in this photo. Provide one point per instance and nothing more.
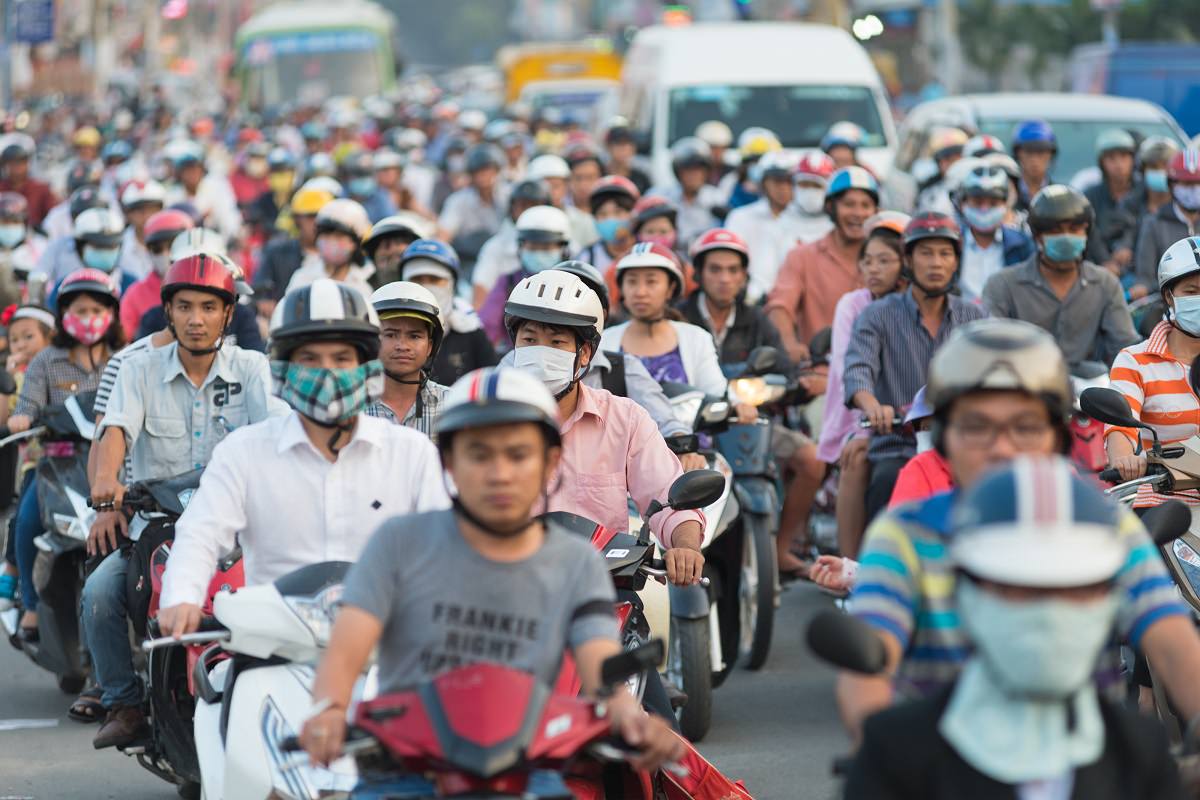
(29, 332)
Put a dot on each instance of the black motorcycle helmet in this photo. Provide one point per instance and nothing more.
(482, 156)
(590, 276)
(84, 198)
(324, 311)
(1059, 203)
(528, 193)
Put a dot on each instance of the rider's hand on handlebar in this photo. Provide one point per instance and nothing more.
(19, 423)
(649, 734)
(797, 351)
(880, 417)
(107, 489)
(685, 566)
(746, 413)
(106, 532)
(1130, 466)
(691, 461)
(323, 735)
(178, 620)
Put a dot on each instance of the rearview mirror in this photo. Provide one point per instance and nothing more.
(696, 489)
(846, 642)
(1108, 405)
(628, 663)
(762, 360)
(1167, 522)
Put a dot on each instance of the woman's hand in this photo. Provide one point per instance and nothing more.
(19, 423)
(1130, 467)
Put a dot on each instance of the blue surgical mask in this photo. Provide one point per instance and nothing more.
(610, 229)
(1187, 195)
(535, 261)
(101, 258)
(362, 187)
(1156, 180)
(1186, 314)
(984, 220)
(11, 235)
(1063, 246)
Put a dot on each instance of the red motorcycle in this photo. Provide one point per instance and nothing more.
(1087, 434)
(170, 752)
(490, 731)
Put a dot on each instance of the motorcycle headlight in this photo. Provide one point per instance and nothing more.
(755, 391)
(317, 613)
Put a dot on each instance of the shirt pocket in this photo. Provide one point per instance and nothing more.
(166, 444)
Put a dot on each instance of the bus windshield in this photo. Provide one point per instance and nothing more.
(798, 115)
(312, 66)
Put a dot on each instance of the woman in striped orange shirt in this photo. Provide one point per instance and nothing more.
(1158, 376)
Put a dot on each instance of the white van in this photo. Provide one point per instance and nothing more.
(795, 79)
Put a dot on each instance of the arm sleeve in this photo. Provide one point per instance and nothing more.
(648, 393)
(208, 527)
(1126, 378)
(35, 391)
(371, 584)
(649, 472)
(1147, 592)
(788, 290)
(591, 603)
(125, 408)
(108, 380)
(1147, 254)
(886, 591)
(705, 374)
(997, 298)
(862, 357)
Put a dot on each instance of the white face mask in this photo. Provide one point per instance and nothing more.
(162, 262)
(445, 298)
(809, 200)
(924, 441)
(553, 367)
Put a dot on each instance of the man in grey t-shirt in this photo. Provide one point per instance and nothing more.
(486, 581)
(446, 606)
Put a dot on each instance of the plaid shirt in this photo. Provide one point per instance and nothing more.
(432, 395)
(51, 378)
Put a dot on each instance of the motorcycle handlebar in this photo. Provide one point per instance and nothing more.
(657, 568)
(1110, 475)
(209, 630)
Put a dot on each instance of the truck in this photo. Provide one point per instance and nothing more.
(1166, 73)
(579, 79)
(310, 50)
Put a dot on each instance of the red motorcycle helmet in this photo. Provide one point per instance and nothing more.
(1185, 166)
(719, 239)
(166, 225)
(653, 207)
(202, 272)
(87, 281)
(814, 166)
(614, 187)
(932, 225)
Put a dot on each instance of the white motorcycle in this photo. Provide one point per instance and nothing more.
(254, 687)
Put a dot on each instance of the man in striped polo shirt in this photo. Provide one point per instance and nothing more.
(999, 388)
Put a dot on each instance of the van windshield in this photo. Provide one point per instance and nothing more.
(798, 115)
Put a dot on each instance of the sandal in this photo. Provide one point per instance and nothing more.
(87, 707)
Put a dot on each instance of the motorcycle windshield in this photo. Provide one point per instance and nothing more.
(1189, 563)
(313, 579)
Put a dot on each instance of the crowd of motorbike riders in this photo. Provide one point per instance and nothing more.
(312, 309)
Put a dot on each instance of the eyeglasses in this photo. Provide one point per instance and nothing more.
(1023, 433)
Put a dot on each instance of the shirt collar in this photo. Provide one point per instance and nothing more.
(590, 402)
(367, 430)
(707, 316)
(1157, 343)
(221, 367)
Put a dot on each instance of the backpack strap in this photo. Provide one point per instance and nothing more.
(614, 380)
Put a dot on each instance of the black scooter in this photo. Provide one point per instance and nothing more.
(65, 432)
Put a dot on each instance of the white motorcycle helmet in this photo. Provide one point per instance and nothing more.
(197, 240)
(99, 227)
(556, 298)
(1180, 260)
(497, 396)
(543, 224)
(548, 166)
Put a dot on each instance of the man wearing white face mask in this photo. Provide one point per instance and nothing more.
(1037, 552)
(611, 447)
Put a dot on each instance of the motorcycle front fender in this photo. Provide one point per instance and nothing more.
(756, 495)
(689, 602)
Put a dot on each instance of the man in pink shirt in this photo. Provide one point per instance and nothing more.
(160, 231)
(814, 276)
(611, 447)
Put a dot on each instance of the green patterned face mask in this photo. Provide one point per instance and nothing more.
(328, 396)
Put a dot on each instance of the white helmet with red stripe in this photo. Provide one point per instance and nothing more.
(497, 396)
(814, 166)
(719, 239)
(652, 255)
(1180, 260)
(1185, 166)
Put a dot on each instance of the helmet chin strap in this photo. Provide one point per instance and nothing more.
(338, 429)
(419, 409)
(579, 375)
(492, 530)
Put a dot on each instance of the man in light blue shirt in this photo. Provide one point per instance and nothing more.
(169, 408)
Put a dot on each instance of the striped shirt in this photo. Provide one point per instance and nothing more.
(432, 396)
(1156, 385)
(889, 355)
(905, 586)
(108, 379)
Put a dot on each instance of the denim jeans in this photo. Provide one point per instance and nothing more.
(28, 527)
(106, 630)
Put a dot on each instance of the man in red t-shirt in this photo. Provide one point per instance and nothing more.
(14, 177)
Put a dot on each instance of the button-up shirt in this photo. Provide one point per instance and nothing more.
(770, 237)
(811, 281)
(889, 355)
(171, 426)
(1091, 323)
(979, 264)
(466, 212)
(432, 395)
(51, 378)
(611, 451)
(310, 510)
